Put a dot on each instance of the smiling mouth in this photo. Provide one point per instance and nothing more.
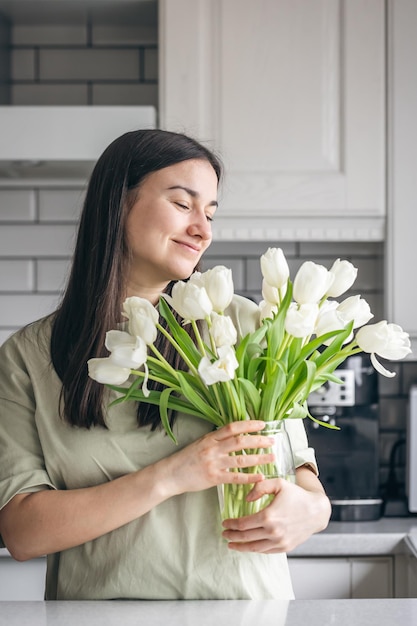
(189, 246)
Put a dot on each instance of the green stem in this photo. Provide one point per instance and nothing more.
(178, 349)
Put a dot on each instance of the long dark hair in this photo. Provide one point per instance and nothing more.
(91, 304)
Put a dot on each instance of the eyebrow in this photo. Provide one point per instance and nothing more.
(192, 193)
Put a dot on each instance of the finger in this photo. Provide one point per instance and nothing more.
(245, 442)
(239, 428)
(269, 486)
(244, 461)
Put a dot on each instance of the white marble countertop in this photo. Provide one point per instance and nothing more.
(209, 612)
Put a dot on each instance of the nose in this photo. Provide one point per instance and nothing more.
(200, 227)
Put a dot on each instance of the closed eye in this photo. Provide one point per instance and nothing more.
(182, 206)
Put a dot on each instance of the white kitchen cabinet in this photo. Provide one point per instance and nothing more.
(401, 257)
(21, 581)
(333, 578)
(292, 95)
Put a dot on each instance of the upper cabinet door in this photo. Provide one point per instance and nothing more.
(292, 95)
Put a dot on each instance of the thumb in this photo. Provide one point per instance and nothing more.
(267, 486)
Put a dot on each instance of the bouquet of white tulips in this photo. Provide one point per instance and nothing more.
(303, 335)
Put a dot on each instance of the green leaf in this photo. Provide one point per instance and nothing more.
(179, 334)
(197, 401)
(325, 424)
(299, 411)
(163, 411)
(252, 396)
(274, 386)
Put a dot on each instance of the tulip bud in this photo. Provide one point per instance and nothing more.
(275, 268)
(267, 310)
(344, 274)
(311, 283)
(190, 301)
(222, 330)
(301, 320)
(357, 309)
(273, 294)
(329, 319)
(218, 283)
(142, 317)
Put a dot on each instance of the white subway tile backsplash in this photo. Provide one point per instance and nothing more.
(52, 274)
(50, 94)
(60, 204)
(23, 64)
(49, 34)
(18, 310)
(36, 240)
(117, 34)
(16, 275)
(151, 64)
(125, 93)
(17, 205)
(88, 64)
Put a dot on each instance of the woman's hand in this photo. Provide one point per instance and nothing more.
(297, 511)
(210, 461)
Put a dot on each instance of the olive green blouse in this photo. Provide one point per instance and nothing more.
(173, 552)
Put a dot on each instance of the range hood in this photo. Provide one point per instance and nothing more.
(62, 141)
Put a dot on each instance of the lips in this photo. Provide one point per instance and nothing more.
(190, 246)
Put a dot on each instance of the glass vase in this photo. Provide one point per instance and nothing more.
(232, 497)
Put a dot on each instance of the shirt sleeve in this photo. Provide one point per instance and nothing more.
(22, 465)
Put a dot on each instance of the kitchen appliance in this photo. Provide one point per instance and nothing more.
(348, 458)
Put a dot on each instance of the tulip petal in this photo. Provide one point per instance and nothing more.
(380, 368)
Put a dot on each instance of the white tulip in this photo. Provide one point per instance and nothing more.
(330, 319)
(104, 371)
(357, 309)
(130, 355)
(267, 309)
(222, 330)
(344, 274)
(221, 370)
(142, 317)
(275, 268)
(388, 341)
(273, 294)
(190, 301)
(115, 338)
(218, 283)
(311, 283)
(300, 320)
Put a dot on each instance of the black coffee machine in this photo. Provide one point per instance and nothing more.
(348, 458)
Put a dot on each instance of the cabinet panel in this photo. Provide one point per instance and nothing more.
(320, 578)
(372, 578)
(22, 581)
(292, 95)
(333, 578)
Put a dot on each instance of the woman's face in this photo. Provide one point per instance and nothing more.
(168, 227)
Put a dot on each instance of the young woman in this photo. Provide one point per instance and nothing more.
(119, 510)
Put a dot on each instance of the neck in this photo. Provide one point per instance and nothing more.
(149, 292)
